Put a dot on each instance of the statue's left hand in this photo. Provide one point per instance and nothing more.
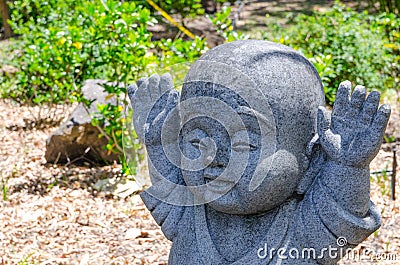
(355, 132)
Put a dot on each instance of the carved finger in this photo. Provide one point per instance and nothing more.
(166, 83)
(356, 102)
(154, 90)
(369, 109)
(138, 124)
(329, 141)
(341, 104)
(380, 121)
(324, 120)
(140, 81)
(132, 88)
(154, 127)
(172, 102)
(142, 92)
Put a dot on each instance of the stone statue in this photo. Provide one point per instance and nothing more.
(247, 165)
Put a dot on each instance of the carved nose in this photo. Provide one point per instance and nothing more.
(220, 160)
(215, 154)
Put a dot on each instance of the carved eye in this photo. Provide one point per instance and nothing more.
(243, 147)
(198, 144)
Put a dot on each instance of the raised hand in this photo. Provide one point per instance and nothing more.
(354, 134)
(152, 99)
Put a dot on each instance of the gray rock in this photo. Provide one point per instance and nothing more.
(77, 138)
(247, 165)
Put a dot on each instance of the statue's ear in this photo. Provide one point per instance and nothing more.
(314, 154)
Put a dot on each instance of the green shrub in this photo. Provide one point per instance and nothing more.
(64, 43)
(389, 25)
(224, 26)
(343, 44)
(186, 8)
(71, 41)
(45, 63)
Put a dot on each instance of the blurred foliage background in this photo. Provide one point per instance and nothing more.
(344, 44)
(57, 45)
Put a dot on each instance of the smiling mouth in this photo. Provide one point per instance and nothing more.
(216, 180)
(217, 184)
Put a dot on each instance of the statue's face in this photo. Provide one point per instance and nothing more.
(233, 154)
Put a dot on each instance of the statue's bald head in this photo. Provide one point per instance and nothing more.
(288, 81)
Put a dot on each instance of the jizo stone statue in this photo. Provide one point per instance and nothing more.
(247, 165)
